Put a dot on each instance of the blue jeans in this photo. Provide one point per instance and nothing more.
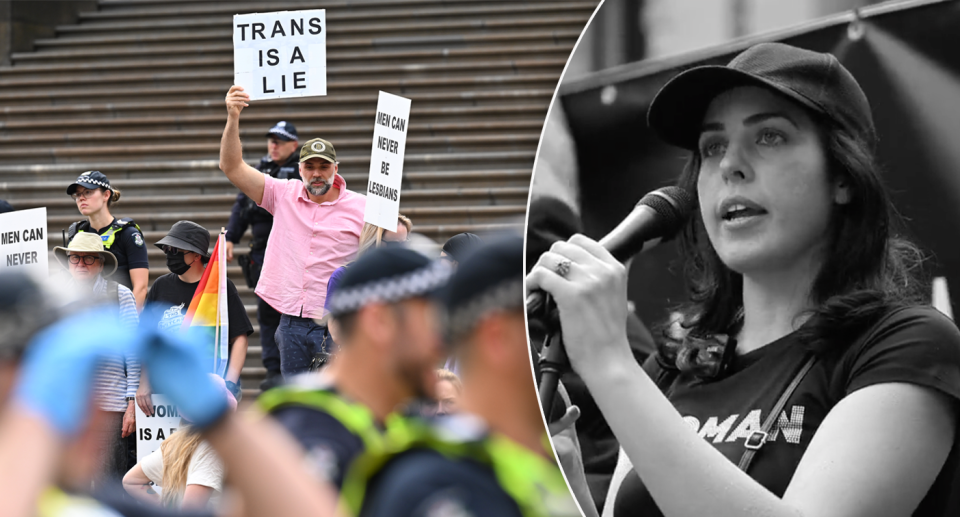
(299, 340)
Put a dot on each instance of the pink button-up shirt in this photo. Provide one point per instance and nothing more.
(307, 243)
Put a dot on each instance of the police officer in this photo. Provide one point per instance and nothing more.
(281, 162)
(493, 458)
(389, 346)
(121, 237)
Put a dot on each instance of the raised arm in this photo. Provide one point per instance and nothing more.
(249, 180)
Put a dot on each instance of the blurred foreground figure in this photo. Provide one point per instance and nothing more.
(49, 423)
(493, 458)
(387, 329)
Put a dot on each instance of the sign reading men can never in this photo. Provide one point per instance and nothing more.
(386, 161)
(282, 54)
(23, 241)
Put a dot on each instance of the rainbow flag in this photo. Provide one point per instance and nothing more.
(207, 314)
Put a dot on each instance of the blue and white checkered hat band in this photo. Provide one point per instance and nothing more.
(87, 181)
(280, 131)
(393, 289)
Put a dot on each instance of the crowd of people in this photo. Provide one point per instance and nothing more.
(358, 416)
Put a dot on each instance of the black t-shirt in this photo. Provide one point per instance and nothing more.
(916, 345)
(130, 250)
(330, 447)
(424, 483)
(174, 295)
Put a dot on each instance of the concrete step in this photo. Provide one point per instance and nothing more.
(34, 153)
(350, 167)
(495, 67)
(414, 130)
(357, 11)
(138, 60)
(217, 203)
(203, 93)
(218, 184)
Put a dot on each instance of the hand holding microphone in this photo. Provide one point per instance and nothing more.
(588, 283)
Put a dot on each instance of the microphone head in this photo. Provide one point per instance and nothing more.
(674, 205)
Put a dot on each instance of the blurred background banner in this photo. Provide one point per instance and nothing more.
(903, 54)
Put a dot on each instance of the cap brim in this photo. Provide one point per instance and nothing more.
(180, 244)
(309, 156)
(676, 113)
(285, 138)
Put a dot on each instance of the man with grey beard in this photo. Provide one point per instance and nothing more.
(316, 229)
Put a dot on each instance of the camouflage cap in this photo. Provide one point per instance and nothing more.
(318, 148)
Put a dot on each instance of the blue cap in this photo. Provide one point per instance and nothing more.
(284, 131)
(91, 180)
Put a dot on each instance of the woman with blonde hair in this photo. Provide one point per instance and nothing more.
(185, 466)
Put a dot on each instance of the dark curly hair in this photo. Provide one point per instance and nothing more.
(868, 269)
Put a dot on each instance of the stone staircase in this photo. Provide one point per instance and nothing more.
(135, 90)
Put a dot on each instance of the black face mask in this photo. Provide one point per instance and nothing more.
(177, 264)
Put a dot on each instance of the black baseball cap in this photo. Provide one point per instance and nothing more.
(91, 180)
(388, 274)
(284, 131)
(813, 79)
(189, 236)
(491, 278)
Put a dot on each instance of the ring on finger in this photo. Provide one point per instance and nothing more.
(563, 267)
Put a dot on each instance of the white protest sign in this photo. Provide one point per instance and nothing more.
(282, 54)
(153, 430)
(386, 161)
(23, 242)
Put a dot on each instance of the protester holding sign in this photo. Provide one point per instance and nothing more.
(119, 377)
(281, 162)
(186, 248)
(94, 195)
(185, 466)
(318, 227)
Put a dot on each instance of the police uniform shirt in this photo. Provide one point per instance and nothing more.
(173, 297)
(916, 345)
(424, 483)
(130, 250)
(330, 447)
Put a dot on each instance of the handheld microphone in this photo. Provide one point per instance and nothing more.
(657, 218)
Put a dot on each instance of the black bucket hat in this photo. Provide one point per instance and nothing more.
(813, 79)
(91, 180)
(189, 236)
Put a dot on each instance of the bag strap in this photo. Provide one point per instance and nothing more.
(758, 438)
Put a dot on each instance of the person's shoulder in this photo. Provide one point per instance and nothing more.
(918, 322)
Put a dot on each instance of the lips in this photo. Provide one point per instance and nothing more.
(738, 207)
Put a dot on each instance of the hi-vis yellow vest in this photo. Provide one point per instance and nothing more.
(532, 481)
(355, 417)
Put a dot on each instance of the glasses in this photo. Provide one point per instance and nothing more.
(170, 250)
(85, 194)
(88, 260)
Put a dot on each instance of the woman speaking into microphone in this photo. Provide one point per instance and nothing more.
(806, 377)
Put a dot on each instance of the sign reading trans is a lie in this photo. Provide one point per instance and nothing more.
(386, 161)
(282, 54)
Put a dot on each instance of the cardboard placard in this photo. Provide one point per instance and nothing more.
(153, 430)
(23, 242)
(386, 161)
(280, 55)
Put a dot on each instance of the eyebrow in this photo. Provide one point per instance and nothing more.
(751, 121)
